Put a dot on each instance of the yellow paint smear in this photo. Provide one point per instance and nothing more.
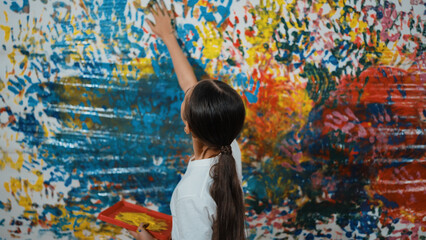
(136, 218)
(143, 65)
(11, 57)
(26, 202)
(212, 41)
(266, 22)
(6, 30)
(15, 185)
(7, 160)
(37, 186)
(6, 186)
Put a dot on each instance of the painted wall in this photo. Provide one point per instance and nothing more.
(334, 144)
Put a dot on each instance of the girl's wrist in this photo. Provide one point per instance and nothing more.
(168, 37)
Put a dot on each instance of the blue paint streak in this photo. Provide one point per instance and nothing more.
(223, 11)
(18, 9)
(32, 102)
(252, 97)
(241, 80)
(387, 203)
(12, 89)
(28, 125)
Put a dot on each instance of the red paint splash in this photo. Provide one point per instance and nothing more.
(398, 97)
(405, 186)
(381, 112)
(273, 115)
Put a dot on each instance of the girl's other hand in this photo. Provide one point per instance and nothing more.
(142, 233)
(163, 26)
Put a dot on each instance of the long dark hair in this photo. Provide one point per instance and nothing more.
(215, 114)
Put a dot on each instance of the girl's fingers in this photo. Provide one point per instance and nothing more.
(153, 11)
(142, 226)
(164, 7)
(151, 25)
(160, 9)
(173, 12)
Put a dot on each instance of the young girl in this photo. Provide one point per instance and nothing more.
(208, 201)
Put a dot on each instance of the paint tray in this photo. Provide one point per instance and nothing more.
(108, 215)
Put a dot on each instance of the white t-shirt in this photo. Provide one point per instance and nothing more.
(193, 209)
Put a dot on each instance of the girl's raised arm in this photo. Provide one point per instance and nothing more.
(164, 29)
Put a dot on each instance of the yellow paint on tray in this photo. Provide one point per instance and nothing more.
(136, 218)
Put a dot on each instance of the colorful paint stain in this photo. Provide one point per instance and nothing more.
(333, 146)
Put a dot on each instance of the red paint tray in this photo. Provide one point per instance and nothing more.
(108, 215)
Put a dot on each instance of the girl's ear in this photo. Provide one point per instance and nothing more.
(186, 129)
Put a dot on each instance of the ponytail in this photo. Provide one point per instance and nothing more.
(215, 114)
(227, 193)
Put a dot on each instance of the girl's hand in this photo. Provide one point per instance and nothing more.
(142, 233)
(164, 29)
(163, 26)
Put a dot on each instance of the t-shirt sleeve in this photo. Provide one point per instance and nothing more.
(195, 219)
